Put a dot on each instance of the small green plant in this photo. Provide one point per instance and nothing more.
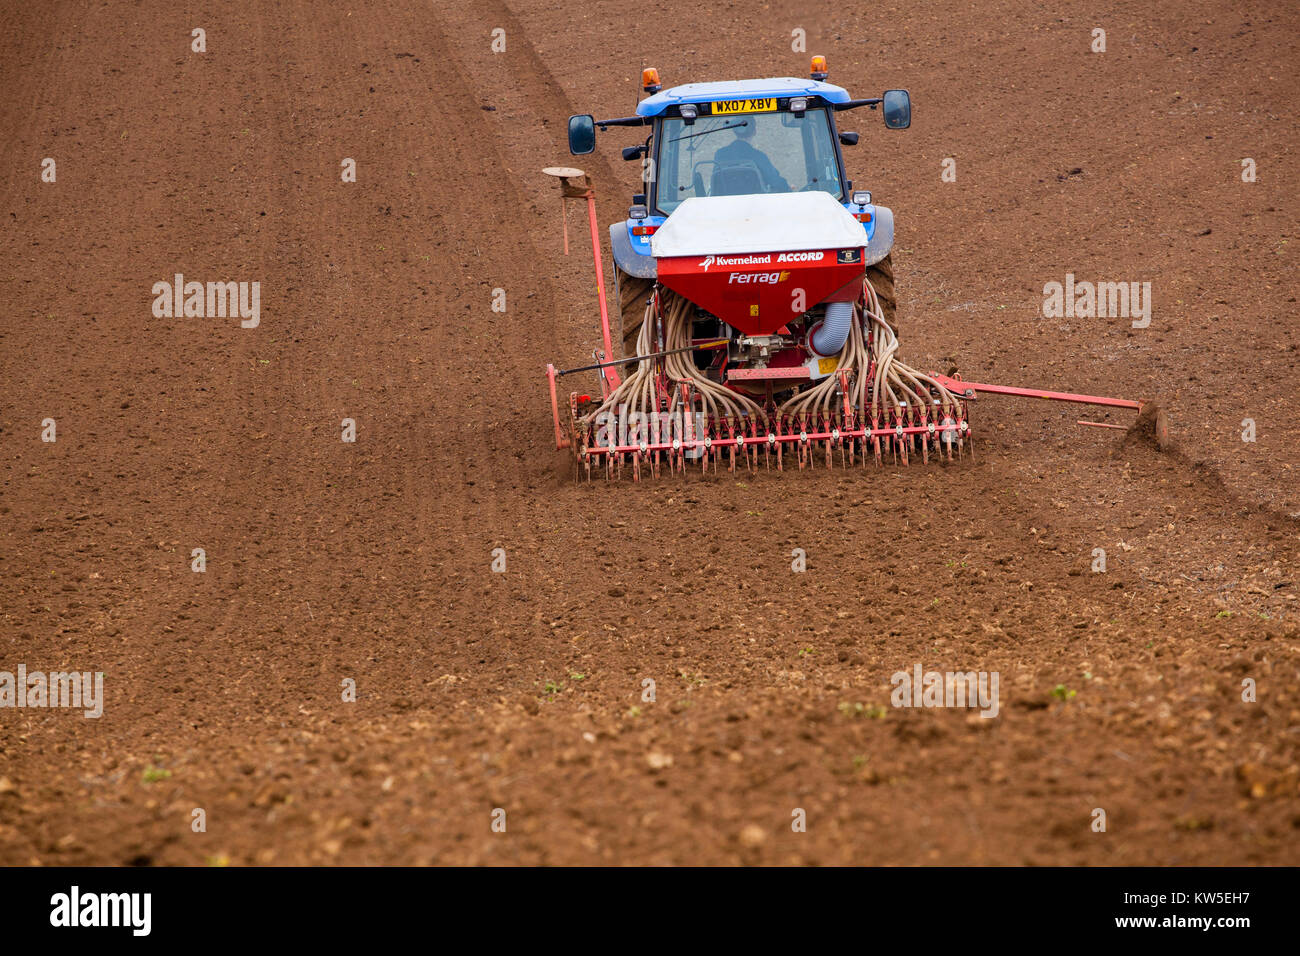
(1061, 692)
(551, 688)
(804, 652)
(1224, 614)
(634, 711)
(577, 676)
(153, 774)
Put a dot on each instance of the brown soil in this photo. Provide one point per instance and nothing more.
(522, 690)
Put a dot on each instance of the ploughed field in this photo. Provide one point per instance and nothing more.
(370, 563)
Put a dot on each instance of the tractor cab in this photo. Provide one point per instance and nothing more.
(753, 147)
(741, 138)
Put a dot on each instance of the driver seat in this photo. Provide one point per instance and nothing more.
(736, 180)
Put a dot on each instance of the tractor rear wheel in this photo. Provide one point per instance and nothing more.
(881, 276)
(631, 292)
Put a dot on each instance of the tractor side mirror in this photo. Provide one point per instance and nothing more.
(897, 109)
(582, 134)
(849, 139)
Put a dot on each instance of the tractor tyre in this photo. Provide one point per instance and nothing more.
(881, 276)
(631, 293)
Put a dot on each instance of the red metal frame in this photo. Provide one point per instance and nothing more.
(612, 372)
(560, 440)
(772, 438)
(960, 385)
(768, 374)
(957, 386)
(609, 378)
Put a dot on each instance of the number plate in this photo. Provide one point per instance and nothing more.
(744, 106)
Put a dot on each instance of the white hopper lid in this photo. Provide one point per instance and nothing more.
(766, 222)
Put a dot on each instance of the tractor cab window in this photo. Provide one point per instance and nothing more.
(745, 153)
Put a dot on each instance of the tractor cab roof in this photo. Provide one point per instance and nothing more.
(780, 86)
